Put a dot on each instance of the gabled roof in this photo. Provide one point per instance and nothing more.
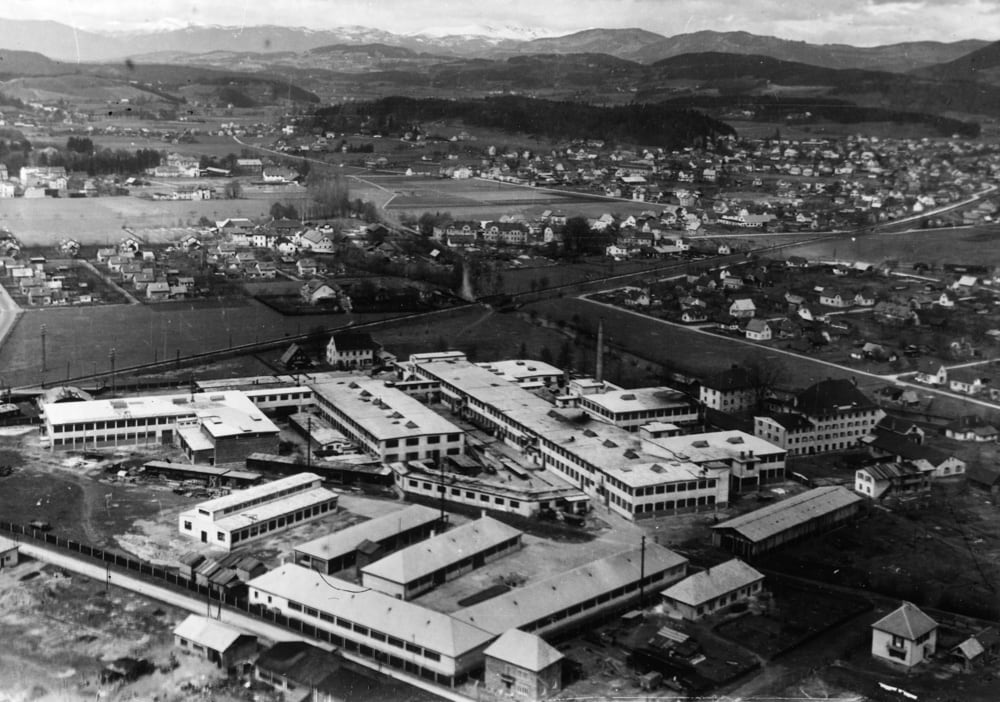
(773, 519)
(736, 378)
(707, 585)
(907, 621)
(209, 633)
(524, 650)
(831, 396)
(889, 471)
(354, 341)
(299, 662)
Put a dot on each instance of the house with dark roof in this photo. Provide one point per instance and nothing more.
(301, 671)
(905, 636)
(295, 358)
(729, 391)
(971, 428)
(703, 593)
(522, 666)
(935, 462)
(352, 350)
(840, 414)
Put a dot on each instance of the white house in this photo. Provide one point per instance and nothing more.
(906, 636)
(743, 308)
(758, 330)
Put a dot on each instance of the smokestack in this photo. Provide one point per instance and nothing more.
(599, 372)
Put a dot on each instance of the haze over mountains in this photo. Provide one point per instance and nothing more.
(62, 42)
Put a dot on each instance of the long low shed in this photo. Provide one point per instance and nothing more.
(768, 528)
(334, 552)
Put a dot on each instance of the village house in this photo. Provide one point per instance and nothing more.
(352, 350)
(215, 641)
(898, 479)
(521, 666)
(743, 308)
(758, 330)
(905, 636)
(971, 428)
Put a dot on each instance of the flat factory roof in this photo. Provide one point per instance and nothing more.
(271, 510)
(238, 497)
(384, 411)
(637, 400)
(185, 405)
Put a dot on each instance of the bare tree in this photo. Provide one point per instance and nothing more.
(764, 374)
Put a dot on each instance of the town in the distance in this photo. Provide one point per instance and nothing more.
(420, 369)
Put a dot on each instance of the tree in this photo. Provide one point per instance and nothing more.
(565, 358)
(522, 351)
(282, 211)
(233, 190)
(330, 193)
(546, 355)
(764, 374)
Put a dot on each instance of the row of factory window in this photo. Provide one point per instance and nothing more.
(98, 438)
(469, 494)
(114, 424)
(271, 497)
(281, 522)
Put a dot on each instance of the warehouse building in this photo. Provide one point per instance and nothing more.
(768, 528)
(567, 600)
(379, 536)
(245, 515)
(219, 426)
(527, 374)
(395, 633)
(386, 422)
(421, 567)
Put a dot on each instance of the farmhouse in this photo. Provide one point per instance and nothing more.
(523, 667)
(772, 526)
(742, 308)
(352, 350)
(246, 515)
(896, 479)
(758, 330)
(382, 535)
(906, 636)
(706, 592)
(408, 573)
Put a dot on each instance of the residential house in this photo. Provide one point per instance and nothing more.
(758, 330)
(352, 350)
(315, 291)
(711, 590)
(905, 636)
(743, 308)
(971, 428)
(898, 479)
(521, 666)
(732, 390)
(693, 316)
(968, 381)
(295, 358)
(158, 290)
(300, 671)
(865, 298)
(315, 241)
(8, 552)
(266, 269)
(932, 373)
(306, 267)
(831, 297)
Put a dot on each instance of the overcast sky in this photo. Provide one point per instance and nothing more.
(858, 22)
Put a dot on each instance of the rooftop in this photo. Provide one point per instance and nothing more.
(384, 411)
(209, 633)
(709, 584)
(524, 650)
(907, 621)
(346, 541)
(441, 551)
(184, 405)
(637, 399)
(519, 370)
(537, 600)
(404, 620)
(270, 510)
(259, 492)
(773, 519)
(832, 396)
(710, 446)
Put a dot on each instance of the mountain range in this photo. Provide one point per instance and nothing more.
(65, 43)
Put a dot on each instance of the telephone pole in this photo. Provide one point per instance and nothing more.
(642, 570)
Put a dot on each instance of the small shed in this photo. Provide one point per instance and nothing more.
(8, 552)
(218, 643)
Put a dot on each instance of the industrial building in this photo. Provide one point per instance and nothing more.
(805, 514)
(527, 374)
(245, 515)
(217, 427)
(386, 422)
(414, 570)
(566, 600)
(398, 634)
(212, 476)
(630, 409)
(525, 498)
(703, 593)
(379, 536)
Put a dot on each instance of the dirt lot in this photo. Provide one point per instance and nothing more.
(61, 630)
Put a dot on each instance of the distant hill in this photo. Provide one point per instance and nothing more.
(62, 42)
(30, 63)
(982, 65)
(892, 57)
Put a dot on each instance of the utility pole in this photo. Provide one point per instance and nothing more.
(111, 356)
(309, 441)
(44, 368)
(441, 489)
(642, 570)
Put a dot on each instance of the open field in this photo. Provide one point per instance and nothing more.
(79, 342)
(99, 221)
(973, 245)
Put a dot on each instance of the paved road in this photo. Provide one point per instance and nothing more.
(97, 571)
